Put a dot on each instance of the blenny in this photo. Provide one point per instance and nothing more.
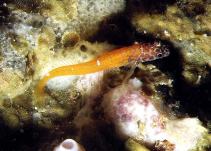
(116, 58)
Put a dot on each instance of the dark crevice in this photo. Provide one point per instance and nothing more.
(4, 13)
(116, 30)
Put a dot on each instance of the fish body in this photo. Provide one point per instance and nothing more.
(115, 58)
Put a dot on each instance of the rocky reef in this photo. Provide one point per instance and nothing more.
(135, 107)
(187, 25)
(34, 35)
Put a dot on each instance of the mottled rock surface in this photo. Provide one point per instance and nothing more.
(184, 23)
(37, 36)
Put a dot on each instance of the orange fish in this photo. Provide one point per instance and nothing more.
(115, 58)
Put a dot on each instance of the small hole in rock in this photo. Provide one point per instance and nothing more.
(83, 48)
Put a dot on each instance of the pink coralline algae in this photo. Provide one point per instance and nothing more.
(135, 116)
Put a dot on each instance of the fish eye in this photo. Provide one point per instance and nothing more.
(159, 55)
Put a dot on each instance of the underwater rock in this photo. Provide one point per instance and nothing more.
(136, 116)
(70, 93)
(186, 24)
(38, 36)
(74, 90)
(81, 16)
(132, 145)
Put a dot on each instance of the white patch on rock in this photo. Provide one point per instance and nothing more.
(68, 145)
(135, 116)
(136, 83)
(61, 82)
(185, 133)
